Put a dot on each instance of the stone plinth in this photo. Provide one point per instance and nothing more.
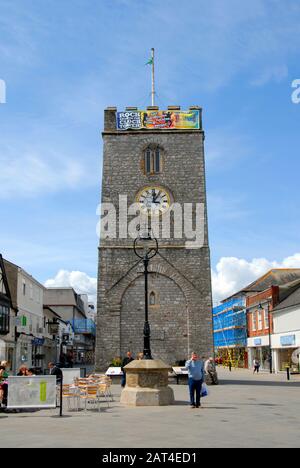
(147, 384)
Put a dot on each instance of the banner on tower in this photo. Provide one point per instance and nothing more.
(138, 120)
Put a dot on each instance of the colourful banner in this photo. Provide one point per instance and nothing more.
(137, 120)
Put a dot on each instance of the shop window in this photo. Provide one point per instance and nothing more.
(260, 321)
(254, 322)
(4, 320)
(266, 319)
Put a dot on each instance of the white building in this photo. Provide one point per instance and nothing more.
(73, 308)
(286, 336)
(27, 299)
(59, 336)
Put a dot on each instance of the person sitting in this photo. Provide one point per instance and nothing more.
(23, 371)
(3, 384)
(210, 369)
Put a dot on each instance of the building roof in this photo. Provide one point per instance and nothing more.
(3, 278)
(286, 290)
(289, 296)
(274, 277)
(20, 269)
(63, 297)
(292, 300)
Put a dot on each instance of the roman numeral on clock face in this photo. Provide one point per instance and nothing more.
(154, 200)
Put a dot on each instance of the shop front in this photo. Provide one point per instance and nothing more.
(38, 355)
(51, 352)
(24, 352)
(259, 349)
(287, 352)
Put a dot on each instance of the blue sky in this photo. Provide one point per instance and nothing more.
(65, 61)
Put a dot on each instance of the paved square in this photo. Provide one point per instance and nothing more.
(244, 411)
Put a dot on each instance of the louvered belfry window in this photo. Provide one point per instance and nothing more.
(153, 160)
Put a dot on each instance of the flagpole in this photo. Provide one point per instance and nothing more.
(153, 79)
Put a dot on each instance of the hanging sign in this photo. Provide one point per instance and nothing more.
(38, 341)
(139, 120)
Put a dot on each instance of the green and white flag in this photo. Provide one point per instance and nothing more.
(150, 62)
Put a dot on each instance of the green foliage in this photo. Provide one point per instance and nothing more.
(116, 362)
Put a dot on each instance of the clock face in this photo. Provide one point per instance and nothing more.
(153, 200)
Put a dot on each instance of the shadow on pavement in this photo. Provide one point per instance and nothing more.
(181, 403)
(260, 383)
(220, 407)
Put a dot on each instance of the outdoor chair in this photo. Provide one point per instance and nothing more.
(71, 395)
(90, 394)
(104, 391)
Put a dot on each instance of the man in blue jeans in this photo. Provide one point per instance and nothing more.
(195, 366)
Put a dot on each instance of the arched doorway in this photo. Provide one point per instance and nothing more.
(167, 316)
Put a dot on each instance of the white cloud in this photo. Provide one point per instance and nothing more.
(41, 161)
(79, 281)
(232, 274)
(31, 175)
(276, 74)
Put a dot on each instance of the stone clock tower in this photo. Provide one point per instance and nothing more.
(154, 159)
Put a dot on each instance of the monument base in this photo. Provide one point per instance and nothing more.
(147, 384)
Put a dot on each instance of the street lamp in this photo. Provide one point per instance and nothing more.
(149, 246)
(270, 343)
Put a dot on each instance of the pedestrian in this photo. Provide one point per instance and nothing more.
(210, 369)
(230, 365)
(62, 360)
(55, 370)
(3, 384)
(196, 373)
(140, 356)
(23, 371)
(126, 361)
(256, 366)
(70, 359)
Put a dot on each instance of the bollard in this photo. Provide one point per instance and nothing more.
(288, 373)
(61, 397)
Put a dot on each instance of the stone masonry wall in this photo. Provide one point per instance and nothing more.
(185, 282)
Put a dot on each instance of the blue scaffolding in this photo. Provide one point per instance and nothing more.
(230, 324)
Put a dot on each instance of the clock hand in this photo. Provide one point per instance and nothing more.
(156, 197)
